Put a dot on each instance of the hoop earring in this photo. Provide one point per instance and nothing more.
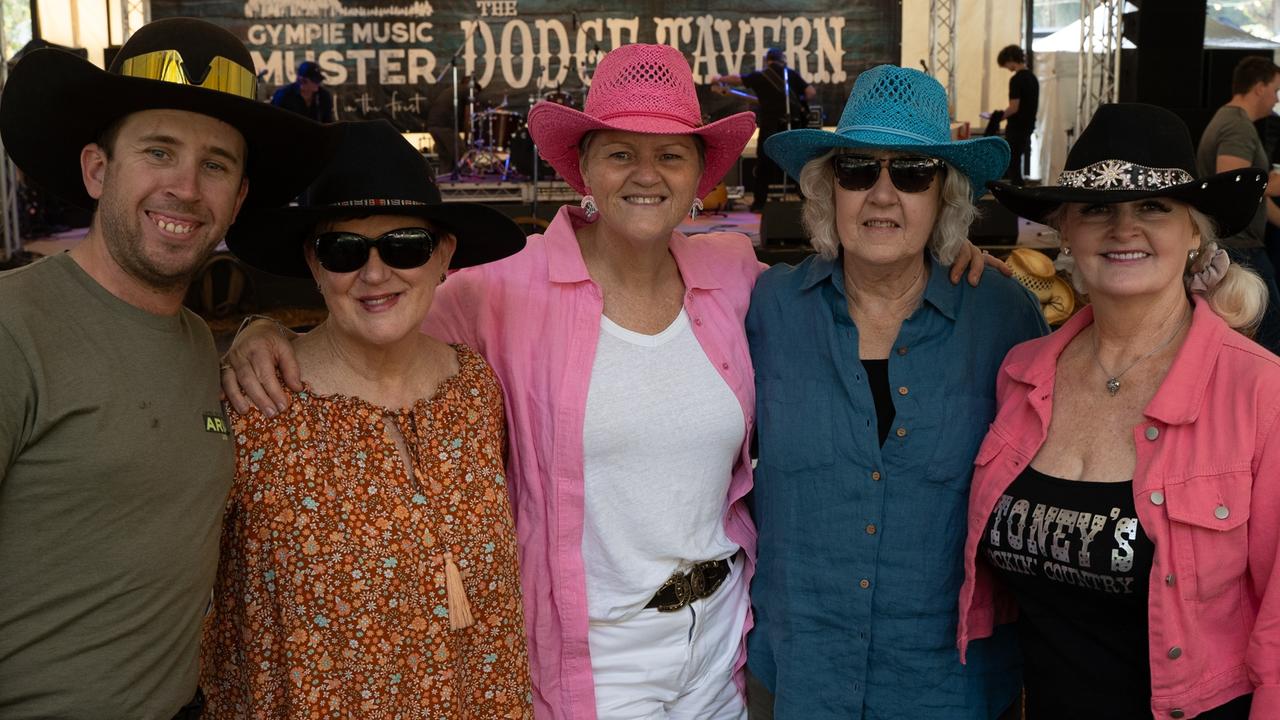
(696, 209)
(589, 206)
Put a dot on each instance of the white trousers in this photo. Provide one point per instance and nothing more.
(673, 666)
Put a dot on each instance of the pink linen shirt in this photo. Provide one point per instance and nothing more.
(535, 317)
(1207, 490)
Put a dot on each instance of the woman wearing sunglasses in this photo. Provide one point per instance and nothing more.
(875, 380)
(368, 553)
(1125, 513)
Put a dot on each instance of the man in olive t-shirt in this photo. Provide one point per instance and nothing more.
(1231, 142)
(115, 458)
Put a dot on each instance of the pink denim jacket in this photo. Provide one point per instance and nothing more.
(535, 317)
(1209, 441)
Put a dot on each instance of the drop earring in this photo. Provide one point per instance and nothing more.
(589, 206)
(696, 209)
(1066, 251)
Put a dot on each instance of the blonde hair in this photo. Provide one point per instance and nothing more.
(1239, 298)
(950, 228)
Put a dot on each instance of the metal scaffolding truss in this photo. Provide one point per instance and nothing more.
(133, 15)
(942, 47)
(1100, 41)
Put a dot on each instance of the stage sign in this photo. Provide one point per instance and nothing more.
(383, 57)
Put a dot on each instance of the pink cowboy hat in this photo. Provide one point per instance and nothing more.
(644, 89)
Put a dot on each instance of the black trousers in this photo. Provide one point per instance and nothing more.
(1019, 148)
(767, 171)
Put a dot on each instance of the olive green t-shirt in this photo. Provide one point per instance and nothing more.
(115, 465)
(1230, 132)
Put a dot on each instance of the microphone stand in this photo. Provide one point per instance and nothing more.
(786, 93)
(453, 69)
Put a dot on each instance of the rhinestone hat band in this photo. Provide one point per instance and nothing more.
(377, 202)
(1120, 175)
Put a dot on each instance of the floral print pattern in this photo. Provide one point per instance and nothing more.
(331, 597)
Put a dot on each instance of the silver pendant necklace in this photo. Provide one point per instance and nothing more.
(1113, 381)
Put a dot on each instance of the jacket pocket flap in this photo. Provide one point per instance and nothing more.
(1215, 502)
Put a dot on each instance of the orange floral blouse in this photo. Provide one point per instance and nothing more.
(330, 600)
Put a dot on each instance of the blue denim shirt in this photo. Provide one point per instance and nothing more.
(861, 547)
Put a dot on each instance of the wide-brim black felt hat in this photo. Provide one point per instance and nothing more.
(374, 171)
(1131, 151)
(55, 103)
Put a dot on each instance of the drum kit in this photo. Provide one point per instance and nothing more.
(497, 140)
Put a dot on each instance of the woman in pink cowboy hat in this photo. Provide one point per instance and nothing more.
(620, 345)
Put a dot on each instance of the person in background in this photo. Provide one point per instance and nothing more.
(1020, 115)
(1125, 509)
(769, 84)
(875, 379)
(306, 95)
(1231, 142)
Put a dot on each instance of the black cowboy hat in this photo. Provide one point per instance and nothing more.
(374, 171)
(55, 103)
(1132, 151)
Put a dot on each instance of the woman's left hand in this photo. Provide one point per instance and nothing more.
(974, 260)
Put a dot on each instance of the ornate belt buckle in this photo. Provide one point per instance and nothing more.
(698, 583)
(679, 583)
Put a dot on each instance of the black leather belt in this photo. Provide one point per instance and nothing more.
(680, 589)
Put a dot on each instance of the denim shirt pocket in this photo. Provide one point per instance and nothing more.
(1208, 529)
(795, 424)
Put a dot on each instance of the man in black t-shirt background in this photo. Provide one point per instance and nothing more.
(306, 96)
(771, 112)
(1020, 116)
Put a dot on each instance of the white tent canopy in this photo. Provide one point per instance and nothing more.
(1217, 36)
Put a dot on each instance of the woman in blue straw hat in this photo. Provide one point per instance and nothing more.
(875, 381)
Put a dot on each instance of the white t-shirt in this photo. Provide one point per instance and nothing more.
(661, 435)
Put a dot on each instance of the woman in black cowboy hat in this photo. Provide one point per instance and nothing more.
(368, 556)
(1125, 507)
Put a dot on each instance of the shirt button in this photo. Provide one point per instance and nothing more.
(902, 432)
(697, 321)
(864, 583)
(1157, 498)
(1175, 652)
(724, 365)
(690, 294)
(1153, 433)
(871, 529)
(875, 474)
(902, 390)
(902, 350)
(1221, 512)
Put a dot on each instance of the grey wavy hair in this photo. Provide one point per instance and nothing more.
(950, 228)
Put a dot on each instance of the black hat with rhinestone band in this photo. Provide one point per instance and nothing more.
(55, 103)
(374, 171)
(1132, 151)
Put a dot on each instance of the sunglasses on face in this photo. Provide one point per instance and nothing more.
(908, 174)
(404, 249)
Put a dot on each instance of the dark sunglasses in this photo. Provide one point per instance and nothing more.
(405, 248)
(908, 174)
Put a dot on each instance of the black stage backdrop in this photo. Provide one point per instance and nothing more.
(382, 57)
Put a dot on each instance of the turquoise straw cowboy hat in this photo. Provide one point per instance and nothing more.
(893, 108)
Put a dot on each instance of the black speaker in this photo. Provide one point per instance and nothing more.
(995, 225)
(1170, 40)
(780, 224)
